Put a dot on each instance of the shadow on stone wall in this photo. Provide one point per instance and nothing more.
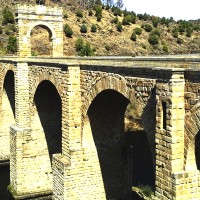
(10, 89)
(4, 182)
(49, 107)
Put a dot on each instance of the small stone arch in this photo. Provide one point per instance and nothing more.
(50, 29)
(192, 127)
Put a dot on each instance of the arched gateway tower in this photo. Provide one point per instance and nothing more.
(29, 17)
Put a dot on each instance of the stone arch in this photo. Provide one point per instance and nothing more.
(51, 37)
(44, 77)
(118, 84)
(192, 127)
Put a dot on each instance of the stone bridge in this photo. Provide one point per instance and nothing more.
(62, 126)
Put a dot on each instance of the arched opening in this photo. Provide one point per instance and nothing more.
(41, 41)
(47, 117)
(124, 153)
(7, 119)
(197, 150)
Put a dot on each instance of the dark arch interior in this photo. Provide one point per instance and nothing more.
(125, 157)
(197, 150)
(5, 169)
(10, 89)
(41, 41)
(48, 104)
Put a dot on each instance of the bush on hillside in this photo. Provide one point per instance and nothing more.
(119, 26)
(156, 31)
(138, 31)
(98, 10)
(8, 16)
(83, 28)
(83, 49)
(99, 17)
(12, 44)
(90, 13)
(133, 36)
(79, 13)
(153, 39)
(155, 21)
(93, 28)
(68, 30)
(147, 27)
(189, 31)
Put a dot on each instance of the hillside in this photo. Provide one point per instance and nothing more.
(171, 37)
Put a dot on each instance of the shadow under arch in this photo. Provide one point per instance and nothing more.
(197, 150)
(9, 88)
(8, 118)
(106, 116)
(41, 37)
(49, 107)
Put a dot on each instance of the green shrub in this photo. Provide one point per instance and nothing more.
(99, 17)
(7, 16)
(41, 2)
(68, 30)
(146, 190)
(98, 10)
(82, 48)
(12, 44)
(114, 20)
(83, 28)
(117, 11)
(79, 13)
(90, 13)
(8, 31)
(189, 31)
(79, 44)
(156, 31)
(138, 31)
(175, 32)
(153, 39)
(125, 21)
(86, 50)
(147, 27)
(133, 18)
(93, 28)
(155, 21)
(119, 26)
(133, 36)
(165, 48)
(146, 16)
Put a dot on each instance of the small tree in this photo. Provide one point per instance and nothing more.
(147, 27)
(138, 31)
(12, 44)
(90, 13)
(133, 36)
(83, 28)
(119, 26)
(93, 28)
(68, 31)
(114, 20)
(79, 44)
(155, 21)
(153, 39)
(7, 16)
(79, 13)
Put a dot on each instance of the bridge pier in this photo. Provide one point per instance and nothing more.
(170, 137)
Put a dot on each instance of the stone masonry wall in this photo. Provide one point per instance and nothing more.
(7, 101)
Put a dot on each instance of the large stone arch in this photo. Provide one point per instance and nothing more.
(192, 127)
(122, 87)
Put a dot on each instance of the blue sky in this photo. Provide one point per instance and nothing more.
(178, 9)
